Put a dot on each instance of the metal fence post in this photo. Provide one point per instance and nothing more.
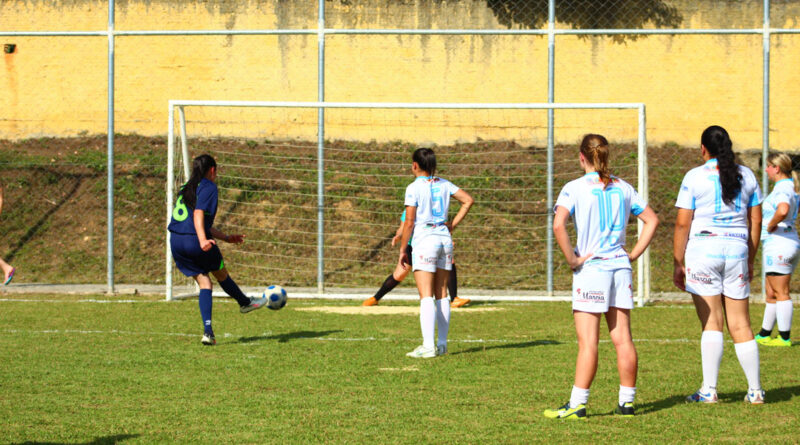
(110, 152)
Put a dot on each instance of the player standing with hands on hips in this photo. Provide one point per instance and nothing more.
(8, 270)
(781, 249)
(427, 203)
(602, 281)
(193, 242)
(717, 231)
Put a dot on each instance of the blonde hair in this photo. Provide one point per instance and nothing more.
(594, 148)
(784, 164)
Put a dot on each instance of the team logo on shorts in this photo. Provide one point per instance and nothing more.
(427, 260)
(697, 277)
(590, 296)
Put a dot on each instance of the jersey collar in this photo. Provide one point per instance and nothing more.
(783, 180)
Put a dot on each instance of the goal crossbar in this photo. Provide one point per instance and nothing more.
(643, 265)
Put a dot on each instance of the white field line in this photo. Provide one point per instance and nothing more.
(333, 339)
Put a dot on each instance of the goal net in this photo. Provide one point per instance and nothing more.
(318, 187)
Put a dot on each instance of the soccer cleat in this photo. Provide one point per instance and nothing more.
(624, 410)
(699, 397)
(565, 412)
(755, 397)
(422, 352)
(255, 303)
(10, 276)
(208, 339)
(441, 349)
(778, 341)
(762, 340)
(371, 301)
(459, 302)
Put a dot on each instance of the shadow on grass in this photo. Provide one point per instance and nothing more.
(526, 344)
(283, 338)
(773, 396)
(108, 440)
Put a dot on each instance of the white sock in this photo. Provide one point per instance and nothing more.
(783, 311)
(443, 320)
(711, 346)
(626, 394)
(769, 317)
(748, 358)
(579, 396)
(427, 320)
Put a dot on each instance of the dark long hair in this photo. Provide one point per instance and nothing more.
(426, 159)
(719, 146)
(200, 167)
(594, 148)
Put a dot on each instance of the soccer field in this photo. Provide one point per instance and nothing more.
(103, 369)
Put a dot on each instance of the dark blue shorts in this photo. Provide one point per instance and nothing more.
(190, 258)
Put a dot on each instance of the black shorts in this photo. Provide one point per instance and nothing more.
(190, 258)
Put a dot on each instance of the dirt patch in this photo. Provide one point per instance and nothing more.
(385, 310)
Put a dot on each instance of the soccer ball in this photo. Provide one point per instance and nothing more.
(276, 297)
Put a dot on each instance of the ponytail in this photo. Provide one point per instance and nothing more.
(200, 167)
(718, 144)
(594, 148)
(426, 159)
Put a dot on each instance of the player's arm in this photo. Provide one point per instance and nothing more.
(236, 239)
(199, 216)
(754, 223)
(683, 223)
(408, 229)
(466, 202)
(780, 214)
(562, 238)
(398, 233)
(1, 197)
(650, 219)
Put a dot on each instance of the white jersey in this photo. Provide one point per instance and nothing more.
(600, 216)
(783, 191)
(702, 192)
(431, 196)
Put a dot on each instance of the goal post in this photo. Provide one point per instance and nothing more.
(307, 164)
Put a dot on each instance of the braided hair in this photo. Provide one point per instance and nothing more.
(718, 144)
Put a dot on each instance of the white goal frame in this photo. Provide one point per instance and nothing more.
(643, 264)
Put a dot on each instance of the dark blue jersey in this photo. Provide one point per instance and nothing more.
(182, 221)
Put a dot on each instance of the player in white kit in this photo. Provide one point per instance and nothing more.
(600, 205)
(717, 231)
(427, 203)
(780, 248)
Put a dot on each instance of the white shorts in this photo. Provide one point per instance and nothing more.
(431, 252)
(717, 266)
(595, 290)
(780, 255)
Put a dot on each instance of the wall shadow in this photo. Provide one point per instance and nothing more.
(527, 344)
(283, 338)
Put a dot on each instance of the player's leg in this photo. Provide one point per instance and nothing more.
(768, 321)
(737, 315)
(710, 313)
(8, 272)
(400, 273)
(783, 309)
(246, 304)
(442, 309)
(452, 289)
(205, 303)
(427, 313)
(619, 328)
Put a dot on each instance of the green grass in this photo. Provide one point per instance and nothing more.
(80, 372)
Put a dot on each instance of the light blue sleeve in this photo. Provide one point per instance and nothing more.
(566, 199)
(686, 194)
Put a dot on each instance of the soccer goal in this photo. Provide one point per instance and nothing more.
(317, 188)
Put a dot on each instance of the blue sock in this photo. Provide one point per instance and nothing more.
(205, 309)
(230, 288)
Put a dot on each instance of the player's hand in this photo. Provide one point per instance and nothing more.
(578, 261)
(679, 277)
(405, 261)
(395, 239)
(235, 239)
(449, 226)
(772, 229)
(206, 245)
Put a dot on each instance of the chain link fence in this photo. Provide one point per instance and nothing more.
(708, 70)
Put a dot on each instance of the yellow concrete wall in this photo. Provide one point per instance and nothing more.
(57, 85)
